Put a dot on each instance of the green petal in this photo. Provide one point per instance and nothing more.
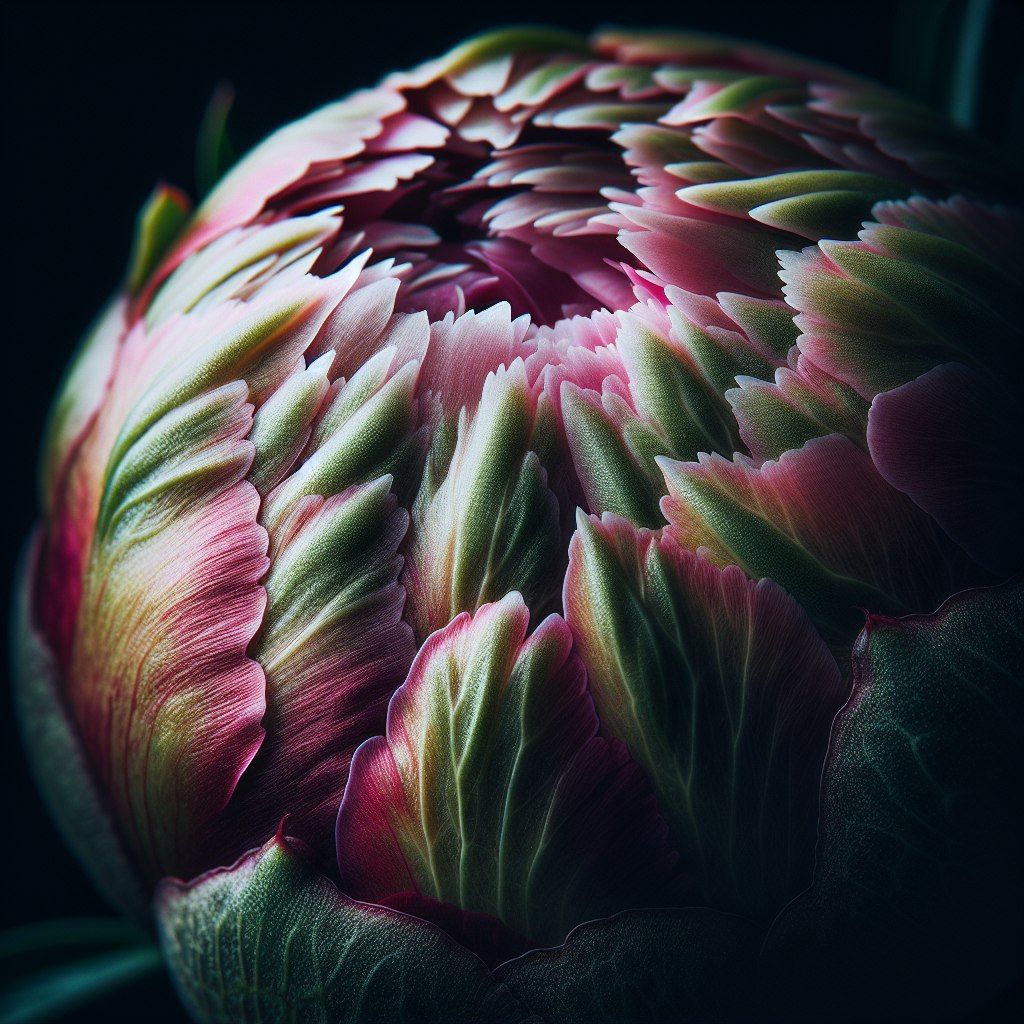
(484, 522)
(722, 691)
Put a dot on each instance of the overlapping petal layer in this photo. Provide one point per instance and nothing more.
(492, 790)
(719, 300)
(724, 693)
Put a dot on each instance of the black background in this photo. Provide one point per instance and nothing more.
(101, 102)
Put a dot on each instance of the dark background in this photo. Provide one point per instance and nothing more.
(101, 102)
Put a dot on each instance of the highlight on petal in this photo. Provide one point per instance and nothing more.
(815, 204)
(724, 693)
(492, 790)
(823, 524)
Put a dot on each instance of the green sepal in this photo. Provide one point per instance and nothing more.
(271, 939)
(915, 911)
(214, 153)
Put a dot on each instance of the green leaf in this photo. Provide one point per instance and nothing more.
(49, 968)
(271, 939)
(158, 224)
(919, 885)
(214, 153)
(49, 994)
(644, 967)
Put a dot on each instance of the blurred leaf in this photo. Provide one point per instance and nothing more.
(643, 967)
(51, 968)
(214, 152)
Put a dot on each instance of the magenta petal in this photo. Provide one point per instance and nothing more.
(168, 703)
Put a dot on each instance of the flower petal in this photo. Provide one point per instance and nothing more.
(823, 523)
(492, 790)
(334, 648)
(941, 440)
(485, 521)
(725, 694)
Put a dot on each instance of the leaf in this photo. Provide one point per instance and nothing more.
(492, 790)
(916, 904)
(48, 994)
(644, 967)
(214, 154)
(158, 224)
(272, 939)
(723, 692)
